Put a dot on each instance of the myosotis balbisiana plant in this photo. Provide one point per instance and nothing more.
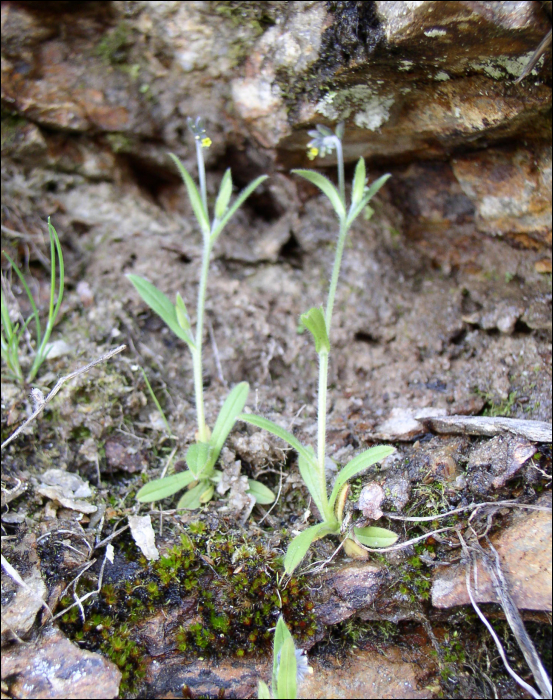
(289, 666)
(12, 334)
(318, 321)
(201, 456)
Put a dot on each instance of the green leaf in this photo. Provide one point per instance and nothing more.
(327, 187)
(314, 321)
(282, 633)
(233, 406)
(194, 196)
(356, 209)
(208, 492)
(358, 464)
(260, 492)
(375, 537)
(236, 205)
(263, 691)
(309, 470)
(358, 186)
(275, 429)
(198, 459)
(191, 499)
(223, 198)
(340, 129)
(298, 547)
(183, 319)
(287, 671)
(163, 488)
(162, 305)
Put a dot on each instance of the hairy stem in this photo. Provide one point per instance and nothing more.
(197, 353)
(321, 433)
(340, 159)
(201, 174)
(335, 275)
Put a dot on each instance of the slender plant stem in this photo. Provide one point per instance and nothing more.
(201, 173)
(197, 353)
(321, 419)
(335, 274)
(340, 159)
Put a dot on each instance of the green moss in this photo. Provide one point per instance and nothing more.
(114, 45)
(236, 593)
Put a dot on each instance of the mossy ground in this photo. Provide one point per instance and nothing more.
(227, 582)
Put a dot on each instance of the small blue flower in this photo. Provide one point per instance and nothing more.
(197, 127)
(323, 140)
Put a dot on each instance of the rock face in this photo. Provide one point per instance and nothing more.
(524, 549)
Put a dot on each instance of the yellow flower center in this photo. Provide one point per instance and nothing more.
(205, 142)
(312, 153)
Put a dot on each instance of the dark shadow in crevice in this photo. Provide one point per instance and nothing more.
(151, 179)
(366, 337)
(291, 252)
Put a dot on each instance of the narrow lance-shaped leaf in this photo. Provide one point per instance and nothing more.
(235, 206)
(355, 210)
(194, 196)
(310, 474)
(298, 547)
(263, 691)
(233, 406)
(275, 429)
(260, 492)
(183, 319)
(375, 537)
(163, 488)
(191, 499)
(314, 321)
(161, 304)
(327, 187)
(358, 183)
(287, 671)
(223, 198)
(282, 633)
(358, 464)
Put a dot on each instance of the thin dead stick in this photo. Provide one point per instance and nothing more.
(472, 506)
(514, 619)
(79, 602)
(41, 401)
(276, 500)
(114, 534)
(491, 630)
